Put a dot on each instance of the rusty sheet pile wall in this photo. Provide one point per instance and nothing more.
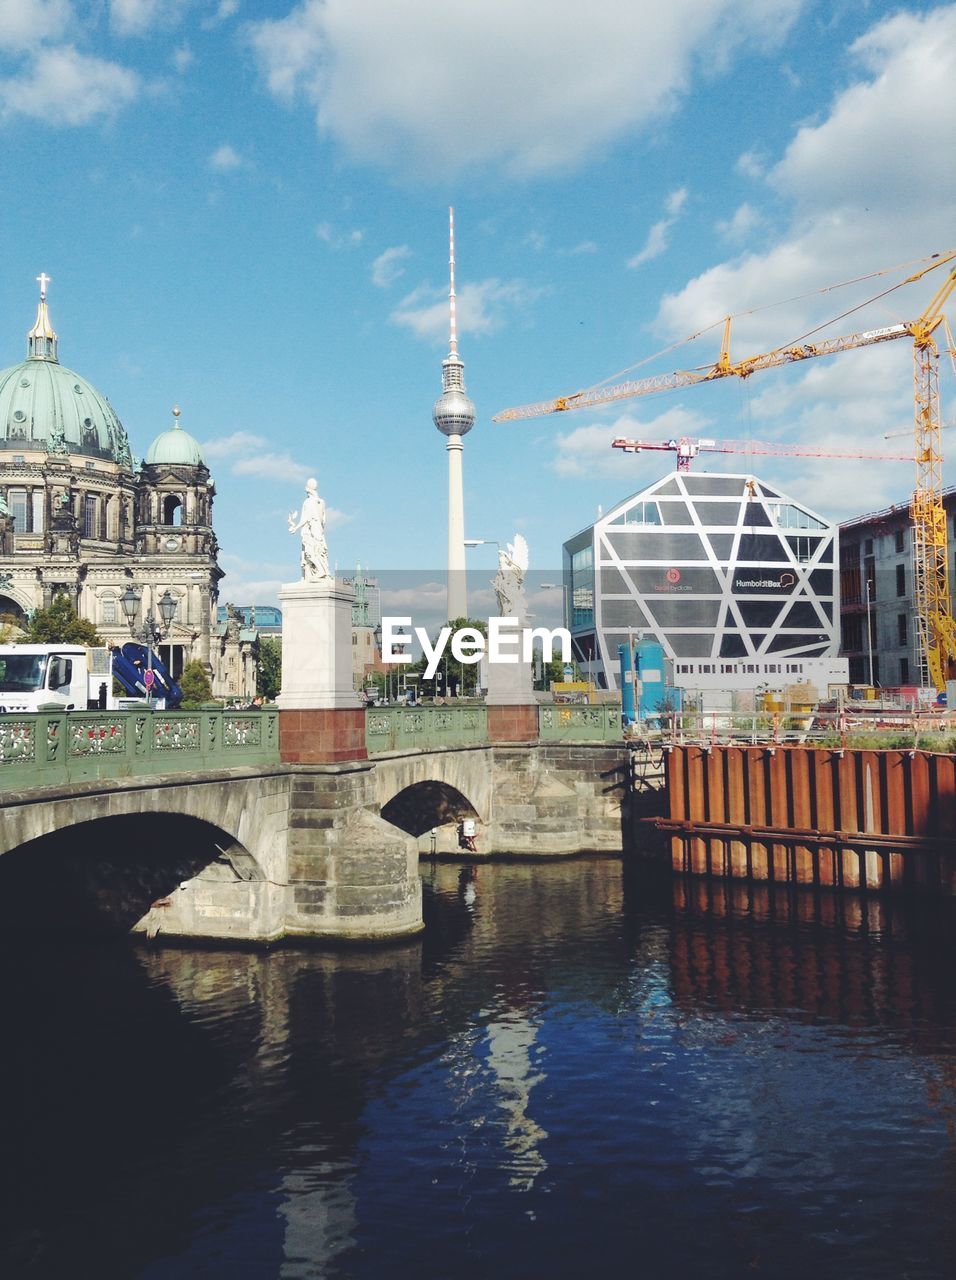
(824, 816)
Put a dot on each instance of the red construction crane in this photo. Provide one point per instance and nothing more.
(687, 448)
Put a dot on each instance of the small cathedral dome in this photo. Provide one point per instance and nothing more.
(174, 447)
(45, 405)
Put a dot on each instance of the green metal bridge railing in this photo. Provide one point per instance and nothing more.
(55, 747)
(48, 748)
(425, 728)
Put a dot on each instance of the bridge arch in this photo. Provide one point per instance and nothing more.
(432, 789)
(426, 805)
(109, 874)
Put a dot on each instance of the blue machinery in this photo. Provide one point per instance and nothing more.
(130, 667)
(644, 690)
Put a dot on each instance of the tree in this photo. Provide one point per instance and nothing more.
(60, 624)
(269, 669)
(462, 677)
(195, 685)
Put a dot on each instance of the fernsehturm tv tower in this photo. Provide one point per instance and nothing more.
(454, 416)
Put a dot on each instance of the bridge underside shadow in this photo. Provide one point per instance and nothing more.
(104, 876)
(426, 805)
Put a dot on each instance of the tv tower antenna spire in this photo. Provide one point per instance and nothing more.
(454, 416)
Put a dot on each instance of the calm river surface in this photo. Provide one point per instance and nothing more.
(574, 1073)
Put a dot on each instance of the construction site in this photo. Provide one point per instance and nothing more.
(760, 603)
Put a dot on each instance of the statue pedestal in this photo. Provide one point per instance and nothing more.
(510, 684)
(317, 646)
(512, 710)
(322, 718)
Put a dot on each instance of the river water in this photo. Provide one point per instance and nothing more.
(574, 1072)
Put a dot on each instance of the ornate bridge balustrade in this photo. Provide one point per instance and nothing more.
(423, 728)
(465, 725)
(560, 722)
(51, 748)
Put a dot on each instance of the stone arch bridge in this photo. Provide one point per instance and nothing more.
(257, 852)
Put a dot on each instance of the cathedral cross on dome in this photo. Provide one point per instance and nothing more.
(43, 280)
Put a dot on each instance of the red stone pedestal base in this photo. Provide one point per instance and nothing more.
(322, 737)
(513, 724)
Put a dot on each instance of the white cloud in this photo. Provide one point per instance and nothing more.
(138, 17)
(481, 307)
(585, 246)
(336, 239)
(24, 26)
(658, 236)
(751, 165)
(225, 159)
(545, 85)
(64, 87)
(271, 466)
(866, 186)
(387, 267)
(745, 221)
(239, 443)
(183, 57)
(586, 451)
(248, 455)
(654, 245)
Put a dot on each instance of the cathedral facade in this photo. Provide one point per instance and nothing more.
(80, 517)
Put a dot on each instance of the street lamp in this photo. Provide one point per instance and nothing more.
(869, 632)
(150, 632)
(130, 601)
(554, 586)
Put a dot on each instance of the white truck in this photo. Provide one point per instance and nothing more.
(56, 675)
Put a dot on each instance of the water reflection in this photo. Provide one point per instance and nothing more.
(572, 1067)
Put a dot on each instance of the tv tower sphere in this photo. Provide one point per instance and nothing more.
(454, 412)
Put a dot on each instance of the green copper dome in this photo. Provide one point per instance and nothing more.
(45, 405)
(175, 447)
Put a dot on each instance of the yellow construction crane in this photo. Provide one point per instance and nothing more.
(936, 626)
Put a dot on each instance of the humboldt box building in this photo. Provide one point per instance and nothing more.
(738, 583)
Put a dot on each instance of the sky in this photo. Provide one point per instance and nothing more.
(243, 209)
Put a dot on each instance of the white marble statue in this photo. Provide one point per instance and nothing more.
(315, 553)
(508, 582)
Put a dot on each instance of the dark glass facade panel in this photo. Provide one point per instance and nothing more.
(795, 640)
(719, 513)
(714, 486)
(675, 513)
(613, 582)
(803, 615)
(676, 582)
(760, 613)
(622, 613)
(654, 545)
(755, 516)
(732, 646)
(761, 548)
(688, 646)
(684, 611)
(722, 544)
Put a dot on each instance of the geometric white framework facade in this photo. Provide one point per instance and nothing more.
(737, 582)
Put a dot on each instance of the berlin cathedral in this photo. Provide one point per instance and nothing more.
(81, 517)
